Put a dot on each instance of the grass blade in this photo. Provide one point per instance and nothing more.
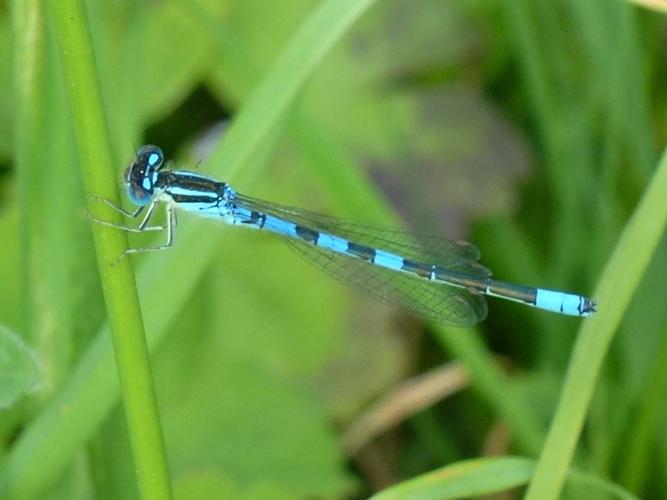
(80, 74)
(473, 478)
(614, 292)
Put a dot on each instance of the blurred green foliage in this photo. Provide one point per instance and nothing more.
(530, 128)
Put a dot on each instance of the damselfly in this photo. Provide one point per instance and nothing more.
(434, 278)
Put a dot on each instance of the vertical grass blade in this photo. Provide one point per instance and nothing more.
(80, 74)
(619, 281)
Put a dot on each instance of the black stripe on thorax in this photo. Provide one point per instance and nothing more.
(199, 183)
(188, 198)
(184, 187)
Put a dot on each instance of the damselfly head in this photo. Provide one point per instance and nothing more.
(142, 174)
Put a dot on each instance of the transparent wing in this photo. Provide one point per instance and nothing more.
(429, 299)
(457, 256)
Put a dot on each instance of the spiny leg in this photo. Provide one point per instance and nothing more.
(143, 225)
(111, 204)
(171, 223)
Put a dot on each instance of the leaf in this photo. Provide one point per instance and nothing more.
(472, 478)
(19, 368)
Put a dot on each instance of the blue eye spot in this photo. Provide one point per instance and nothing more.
(154, 159)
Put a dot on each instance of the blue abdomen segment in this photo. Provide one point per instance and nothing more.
(565, 303)
(319, 239)
(551, 300)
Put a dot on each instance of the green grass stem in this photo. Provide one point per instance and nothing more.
(122, 301)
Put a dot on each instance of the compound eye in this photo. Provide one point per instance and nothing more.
(152, 154)
(138, 194)
(141, 175)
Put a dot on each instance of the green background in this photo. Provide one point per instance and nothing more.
(531, 128)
